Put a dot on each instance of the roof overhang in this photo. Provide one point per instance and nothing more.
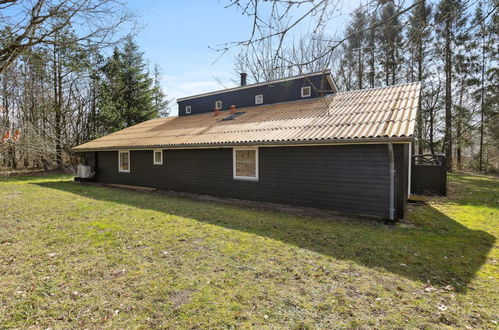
(358, 141)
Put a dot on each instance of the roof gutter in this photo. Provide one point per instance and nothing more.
(255, 143)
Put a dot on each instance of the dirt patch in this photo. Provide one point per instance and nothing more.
(178, 298)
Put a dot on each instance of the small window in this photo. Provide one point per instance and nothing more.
(306, 91)
(158, 157)
(188, 110)
(124, 161)
(245, 164)
(259, 99)
(218, 105)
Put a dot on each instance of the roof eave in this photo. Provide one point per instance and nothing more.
(256, 143)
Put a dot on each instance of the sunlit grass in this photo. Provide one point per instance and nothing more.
(83, 256)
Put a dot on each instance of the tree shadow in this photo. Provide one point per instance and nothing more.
(434, 249)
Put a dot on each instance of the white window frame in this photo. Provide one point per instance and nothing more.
(246, 178)
(258, 98)
(154, 157)
(218, 107)
(188, 110)
(306, 94)
(119, 161)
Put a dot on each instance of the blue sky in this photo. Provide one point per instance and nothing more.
(177, 34)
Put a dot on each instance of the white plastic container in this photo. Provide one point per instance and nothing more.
(83, 171)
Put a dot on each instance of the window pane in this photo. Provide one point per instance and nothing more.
(246, 163)
(124, 161)
(157, 156)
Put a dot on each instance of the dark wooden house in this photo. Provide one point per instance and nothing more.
(292, 141)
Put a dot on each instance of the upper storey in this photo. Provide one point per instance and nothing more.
(294, 88)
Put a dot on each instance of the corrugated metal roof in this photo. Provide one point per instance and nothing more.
(357, 116)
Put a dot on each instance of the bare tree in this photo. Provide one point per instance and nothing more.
(276, 20)
(26, 23)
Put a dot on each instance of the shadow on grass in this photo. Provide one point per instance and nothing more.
(437, 249)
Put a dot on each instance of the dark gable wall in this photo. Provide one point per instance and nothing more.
(272, 93)
(350, 178)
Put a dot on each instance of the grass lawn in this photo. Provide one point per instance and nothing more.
(80, 256)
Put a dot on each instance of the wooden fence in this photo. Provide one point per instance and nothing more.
(429, 175)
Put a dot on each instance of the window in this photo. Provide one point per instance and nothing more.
(259, 99)
(158, 157)
(124, 161)
(245, 163)
(218, 105)
(188, 110)
(306, 91)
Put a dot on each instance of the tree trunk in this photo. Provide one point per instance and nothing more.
(420, 56)
(360, 73)
(57, 108)
(371, 63)
(448, 95)
(432, 144)
(482, 108)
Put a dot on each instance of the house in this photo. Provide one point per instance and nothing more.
(292, 141)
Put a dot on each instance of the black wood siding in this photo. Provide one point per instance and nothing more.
(428, 179)
(272, 93)
(353, 178)
(401, 155)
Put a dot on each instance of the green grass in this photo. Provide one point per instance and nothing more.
(80, 256)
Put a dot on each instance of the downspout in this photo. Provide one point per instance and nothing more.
(392, 182)
(409, 170)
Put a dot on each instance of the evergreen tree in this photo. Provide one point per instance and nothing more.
(356, 43)
(161, 103)
(449, 20)
(418, 36)
(127, 93)
(485, 41)
(391, 42)
(371, 38)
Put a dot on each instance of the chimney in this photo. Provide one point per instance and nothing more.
(232, 109)
(243, 79)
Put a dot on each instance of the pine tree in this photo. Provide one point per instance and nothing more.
(371, 38)
(127, 94)
(418, 36)
(485, 41)
(160, 101)
(391, 42)
(449, 19)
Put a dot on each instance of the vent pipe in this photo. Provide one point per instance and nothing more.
(243, 78)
